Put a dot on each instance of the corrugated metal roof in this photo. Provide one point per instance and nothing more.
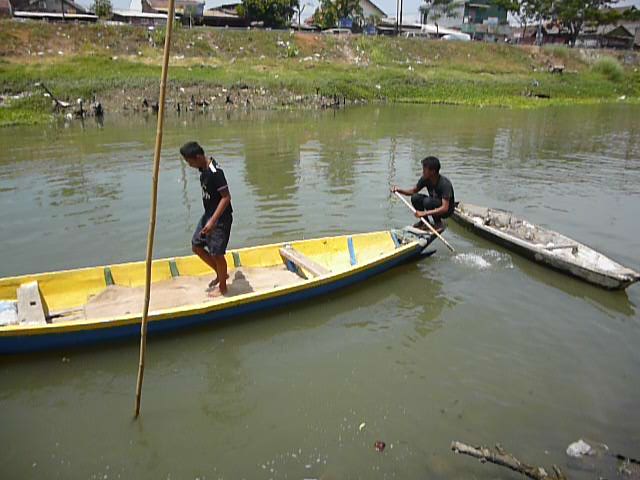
(54, 15)
(136, 14)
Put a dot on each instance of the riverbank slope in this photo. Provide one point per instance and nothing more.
(120, 67)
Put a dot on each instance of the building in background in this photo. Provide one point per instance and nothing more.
(224, 15)
(140, 12)
(5, 8)
(484, 20)
(51, 10)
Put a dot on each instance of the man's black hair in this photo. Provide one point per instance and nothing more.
(191, 150)
(431, 163)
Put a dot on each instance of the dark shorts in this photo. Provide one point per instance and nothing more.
(424, 202)
(217, 240)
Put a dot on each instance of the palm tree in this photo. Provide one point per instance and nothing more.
(424, 10)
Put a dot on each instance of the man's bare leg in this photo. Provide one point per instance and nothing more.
(221, 269)
(205, 257)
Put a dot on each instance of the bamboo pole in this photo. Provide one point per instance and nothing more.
(154, 203)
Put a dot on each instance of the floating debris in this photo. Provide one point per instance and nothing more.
(379, 445)
(579, 449)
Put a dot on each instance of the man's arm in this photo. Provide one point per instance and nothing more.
(408, 191)
(225, 201)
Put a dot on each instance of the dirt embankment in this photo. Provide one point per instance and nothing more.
(119, 66)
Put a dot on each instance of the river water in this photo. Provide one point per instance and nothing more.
(481, 347)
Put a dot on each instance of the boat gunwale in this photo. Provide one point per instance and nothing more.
(208, 307)
(624, 275)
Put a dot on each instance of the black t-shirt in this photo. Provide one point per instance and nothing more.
(213, 181)
(442, 190)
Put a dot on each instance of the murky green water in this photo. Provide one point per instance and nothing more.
(481, 348)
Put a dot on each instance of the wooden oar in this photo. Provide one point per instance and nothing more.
(433, 230)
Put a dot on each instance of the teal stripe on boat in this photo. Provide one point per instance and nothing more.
(394, 237)
(108, 277)
(236, 259)
(174, 268)
(352, 251)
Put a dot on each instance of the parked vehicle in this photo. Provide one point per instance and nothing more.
(457, 37)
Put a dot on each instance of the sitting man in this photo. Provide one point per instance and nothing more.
(440, 202)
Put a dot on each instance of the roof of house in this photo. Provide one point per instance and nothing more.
(374, 7)
(614, 31)
(56, 15)
(223, 6)
(212, 5)
(137, 14)
(220, 12)
(164, 4)
(34, 6)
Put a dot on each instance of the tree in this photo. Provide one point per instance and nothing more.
(331, 12)
(273, 13)
(524, 11)
(102, 8)
(443, 9)
(573, 14)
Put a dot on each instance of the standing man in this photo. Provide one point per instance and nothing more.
(440, 202)
(212, 234)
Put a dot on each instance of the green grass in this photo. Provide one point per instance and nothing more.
(363, 68)
(26, 111)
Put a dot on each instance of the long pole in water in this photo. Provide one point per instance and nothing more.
(154, 203)
(433, 230)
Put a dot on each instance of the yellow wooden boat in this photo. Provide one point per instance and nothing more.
(86, 305)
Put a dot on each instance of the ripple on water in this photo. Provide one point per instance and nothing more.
(484, 260)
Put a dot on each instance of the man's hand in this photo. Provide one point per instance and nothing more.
(394, 189)
(419, 214)
(210, 225)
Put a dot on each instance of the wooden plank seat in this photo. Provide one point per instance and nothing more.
(302, 261)
(31, 307)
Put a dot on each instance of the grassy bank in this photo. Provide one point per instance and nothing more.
(120, 65)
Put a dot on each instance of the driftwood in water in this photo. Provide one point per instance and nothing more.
(500, 457)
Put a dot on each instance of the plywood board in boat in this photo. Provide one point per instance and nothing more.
(31, 309)
(303, 261)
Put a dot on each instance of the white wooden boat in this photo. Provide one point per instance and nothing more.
(545, 247)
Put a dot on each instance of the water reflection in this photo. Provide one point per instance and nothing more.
(392, 352)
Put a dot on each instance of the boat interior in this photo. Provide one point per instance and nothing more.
(506, 222)
(109, 292)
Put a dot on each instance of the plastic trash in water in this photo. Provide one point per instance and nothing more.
(579, 449)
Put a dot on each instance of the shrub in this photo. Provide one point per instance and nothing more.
(610, 68)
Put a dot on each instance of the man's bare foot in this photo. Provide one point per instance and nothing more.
(217, 292)
(215, 282)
